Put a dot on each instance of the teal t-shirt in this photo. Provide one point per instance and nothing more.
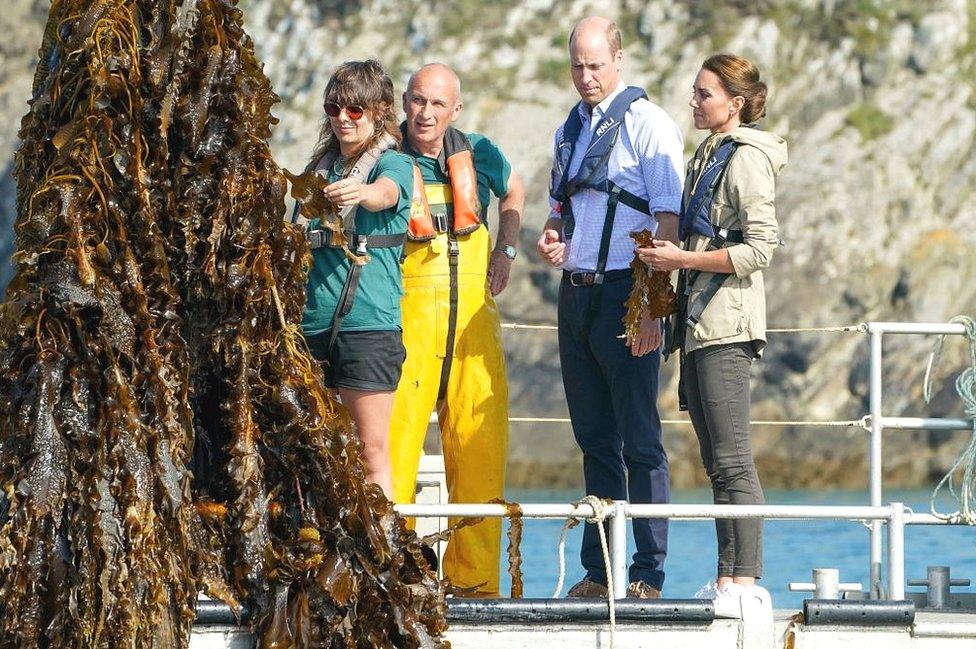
(377, 301)
(490, 165)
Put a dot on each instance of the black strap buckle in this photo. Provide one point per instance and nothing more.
(318, 238)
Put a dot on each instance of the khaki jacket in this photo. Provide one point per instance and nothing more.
(743, 201)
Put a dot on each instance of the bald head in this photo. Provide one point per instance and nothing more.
(595, 58)
(432, 102)
(596, 28)
(437, 74)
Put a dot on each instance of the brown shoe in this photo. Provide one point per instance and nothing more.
(588, 588)
(640, 590)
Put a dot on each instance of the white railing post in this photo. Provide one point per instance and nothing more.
(874, 479)
(618, 549)
(896, 552)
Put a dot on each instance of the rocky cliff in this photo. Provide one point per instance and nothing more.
(877, 206)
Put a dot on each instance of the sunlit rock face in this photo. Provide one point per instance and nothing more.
(876, 204)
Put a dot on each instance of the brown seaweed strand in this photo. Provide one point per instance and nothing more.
(651, 295)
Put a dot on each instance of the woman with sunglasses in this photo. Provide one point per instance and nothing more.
(363, 359)
(729, 232)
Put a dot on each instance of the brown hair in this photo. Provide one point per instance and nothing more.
(612, 34)
(740, 78)
(364, 83)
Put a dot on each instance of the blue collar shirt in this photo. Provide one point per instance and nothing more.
(646, 161)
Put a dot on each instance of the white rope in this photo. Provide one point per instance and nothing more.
(601, 511)
(966, 388)
(570, 523)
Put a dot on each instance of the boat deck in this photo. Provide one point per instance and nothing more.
(930, 630)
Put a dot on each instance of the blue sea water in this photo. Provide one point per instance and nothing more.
(791, 548)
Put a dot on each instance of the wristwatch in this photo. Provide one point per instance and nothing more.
(508, 251)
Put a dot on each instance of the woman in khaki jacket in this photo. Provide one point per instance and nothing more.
(730, 190)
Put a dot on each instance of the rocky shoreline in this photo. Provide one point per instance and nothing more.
(878, 203)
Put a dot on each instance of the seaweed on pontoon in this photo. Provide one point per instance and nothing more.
(164, 429)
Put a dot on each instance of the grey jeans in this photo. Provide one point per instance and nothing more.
(716, 383)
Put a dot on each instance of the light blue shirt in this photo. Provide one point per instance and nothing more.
(646, 161)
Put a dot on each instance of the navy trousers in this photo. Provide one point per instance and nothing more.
(612, 399)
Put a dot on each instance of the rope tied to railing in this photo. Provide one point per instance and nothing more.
(602, 509)
(966, 388)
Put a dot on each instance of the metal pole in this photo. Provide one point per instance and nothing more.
(925, 423)
(618, 549)
(939, 328)
(896, 552)
(674, 512)
(826, 583)
(874, 479)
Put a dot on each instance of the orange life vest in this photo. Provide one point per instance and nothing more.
(457, 163)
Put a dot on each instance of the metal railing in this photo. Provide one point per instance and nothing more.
(879, 423)
(895, 515)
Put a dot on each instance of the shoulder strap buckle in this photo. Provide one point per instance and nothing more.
(361, 243)
(318, 238)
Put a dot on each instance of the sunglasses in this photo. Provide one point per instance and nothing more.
(354, 111)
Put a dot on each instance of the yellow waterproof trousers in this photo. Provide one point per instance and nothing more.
(473, 415)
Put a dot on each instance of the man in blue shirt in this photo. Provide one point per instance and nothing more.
(611, 384)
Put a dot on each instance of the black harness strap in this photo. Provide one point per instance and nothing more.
(455, 141)
(632, 201)
(453, 252)
(347, 296)
(689, 317)
(596, 295)
(323, 238)
(722, 238)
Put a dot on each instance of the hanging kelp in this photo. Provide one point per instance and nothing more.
(164, 429)
(652, 293)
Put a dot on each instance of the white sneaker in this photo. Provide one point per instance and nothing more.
(708, 591)
(727, 601)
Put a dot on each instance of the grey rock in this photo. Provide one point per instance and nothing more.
(937, 38)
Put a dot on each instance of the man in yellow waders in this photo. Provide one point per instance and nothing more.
(451, 328)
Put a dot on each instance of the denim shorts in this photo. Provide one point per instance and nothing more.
(368, 361)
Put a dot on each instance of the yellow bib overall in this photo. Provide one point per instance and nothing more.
(473, 413)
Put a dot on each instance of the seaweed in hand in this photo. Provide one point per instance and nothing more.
(652, 295)
(165, 429)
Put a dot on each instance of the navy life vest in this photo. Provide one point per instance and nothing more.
(696, 218)
(593, 169)
(696, 212)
